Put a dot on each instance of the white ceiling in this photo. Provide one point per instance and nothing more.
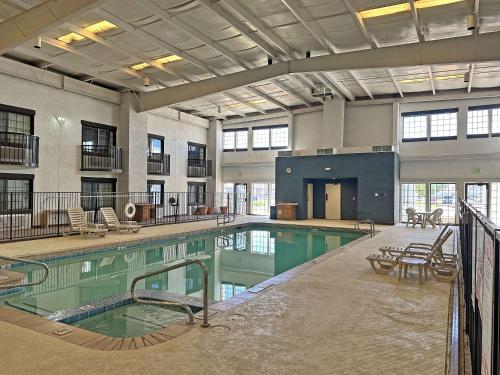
(227, 36)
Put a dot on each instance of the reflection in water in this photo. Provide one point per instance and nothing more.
(236, 261)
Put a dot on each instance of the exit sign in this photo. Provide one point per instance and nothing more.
(476, 171)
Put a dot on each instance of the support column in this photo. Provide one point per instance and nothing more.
(214, 153)
(333, 123)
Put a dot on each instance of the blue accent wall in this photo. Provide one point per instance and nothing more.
(372, 178)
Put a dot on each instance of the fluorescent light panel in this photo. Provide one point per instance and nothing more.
(161, 60)
(403, 7)
(436, 78)
(95, 28)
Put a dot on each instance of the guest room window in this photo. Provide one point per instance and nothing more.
(94, 134)
(156, 191)
(97, 193)
(16, 191)
(16, 120)
(196, 193)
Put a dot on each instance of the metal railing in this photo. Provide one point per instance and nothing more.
(225, 218)
(158, 164)
(183, 263)
(199, 168)
(19, 149)
(370, 222)
(101, 158)
(35, 215)
(479, 289)
(33, 262)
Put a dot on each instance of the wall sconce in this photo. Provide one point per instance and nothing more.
(328, 168)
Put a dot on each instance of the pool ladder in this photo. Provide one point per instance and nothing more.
(226, 219)
(357, 226)
(186, 307)
(33, 262)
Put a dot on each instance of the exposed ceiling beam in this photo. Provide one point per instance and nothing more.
(35, 21)
(472, 67)
(370, 39)
(245, 103)
(416, 21)
(257, 92)
(288, 90)
(361, 84)
(460, 50)
(431, 80)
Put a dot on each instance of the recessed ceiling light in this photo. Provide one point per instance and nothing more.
(436, 78)
(404, 7)
(168, 59)
(140, 66)
(70, 38)
(100, 27)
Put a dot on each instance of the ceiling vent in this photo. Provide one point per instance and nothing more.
(383, 148)
(282, 154)
(324, 151)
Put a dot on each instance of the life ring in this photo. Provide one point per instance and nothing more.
(129, 210)
(128, 258)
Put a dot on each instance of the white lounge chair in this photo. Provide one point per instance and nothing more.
(79, 223)
(435, 217)
(113, 223)
(413, 217)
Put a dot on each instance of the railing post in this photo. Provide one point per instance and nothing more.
(10, 216)
(58, 213)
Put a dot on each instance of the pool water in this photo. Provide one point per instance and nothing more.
(237, 259)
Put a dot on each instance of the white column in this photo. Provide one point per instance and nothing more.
(333, 123)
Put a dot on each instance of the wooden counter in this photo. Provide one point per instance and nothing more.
(286, 211)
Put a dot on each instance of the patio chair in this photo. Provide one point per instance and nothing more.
(435, 217)
(420, 248)
(78, 222)
(384, 264)
(413, 217)
(113, 223)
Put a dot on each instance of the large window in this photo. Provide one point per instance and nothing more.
(413, 195)
(430, 125)
(270, 137)
(236, 140)
(15, 193)
(495, 202)
(156, 190)
(196, 193)
(16, 120)
(444, 125)
(443, 195)
(97, 193)
(476, 194)
(262, 242)
(260, 199)
(483, 121)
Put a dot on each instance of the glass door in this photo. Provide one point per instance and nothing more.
(476, 194)
(240, 194)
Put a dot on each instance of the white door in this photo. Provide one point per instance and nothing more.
(310, 200)
(332, 201)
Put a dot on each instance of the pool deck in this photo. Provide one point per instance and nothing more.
(335, 316)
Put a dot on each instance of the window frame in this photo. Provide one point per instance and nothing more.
(97, 180)
(197, 193)
(158, 138)
(270, 147)
(20, 111)
(489, 108)
(98, 126)
(161, 183)
(19, 177)
(428, 115)
(198, 146)
(235, 143)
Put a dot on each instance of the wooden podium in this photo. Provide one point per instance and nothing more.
(286, 211)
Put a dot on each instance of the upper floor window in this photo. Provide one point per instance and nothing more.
(483, 121)
(155, 144)
(235, 140)
(270, 137)
(94, 134)
(197, 151)
(16, 120)
(430, 125)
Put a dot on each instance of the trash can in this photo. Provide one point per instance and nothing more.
(273, 215)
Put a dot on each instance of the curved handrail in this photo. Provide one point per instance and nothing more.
(230, 218)
(183, 263)
(367, 221)
(34, 262)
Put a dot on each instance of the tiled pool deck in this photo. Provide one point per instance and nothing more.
(333, 315)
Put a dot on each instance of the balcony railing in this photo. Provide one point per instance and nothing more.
(199, 168)
(19, 149)
(101, 158)
(158, 164)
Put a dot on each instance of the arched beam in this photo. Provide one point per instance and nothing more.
(461, 50)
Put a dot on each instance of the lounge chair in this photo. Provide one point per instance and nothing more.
(113, 223)
(79, 223)
(386, 263)
(413, 217)
(435, 217)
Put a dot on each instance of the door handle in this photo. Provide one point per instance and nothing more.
(326, 197)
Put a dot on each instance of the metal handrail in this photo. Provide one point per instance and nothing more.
(367, 221)
(226, 219)
(34, 262)
(183, 263)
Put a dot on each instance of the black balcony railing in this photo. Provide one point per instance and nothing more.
(19, 149)
(158, 164)
(199, 168)
(101, 158)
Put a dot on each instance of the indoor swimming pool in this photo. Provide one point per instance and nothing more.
(91, 290)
